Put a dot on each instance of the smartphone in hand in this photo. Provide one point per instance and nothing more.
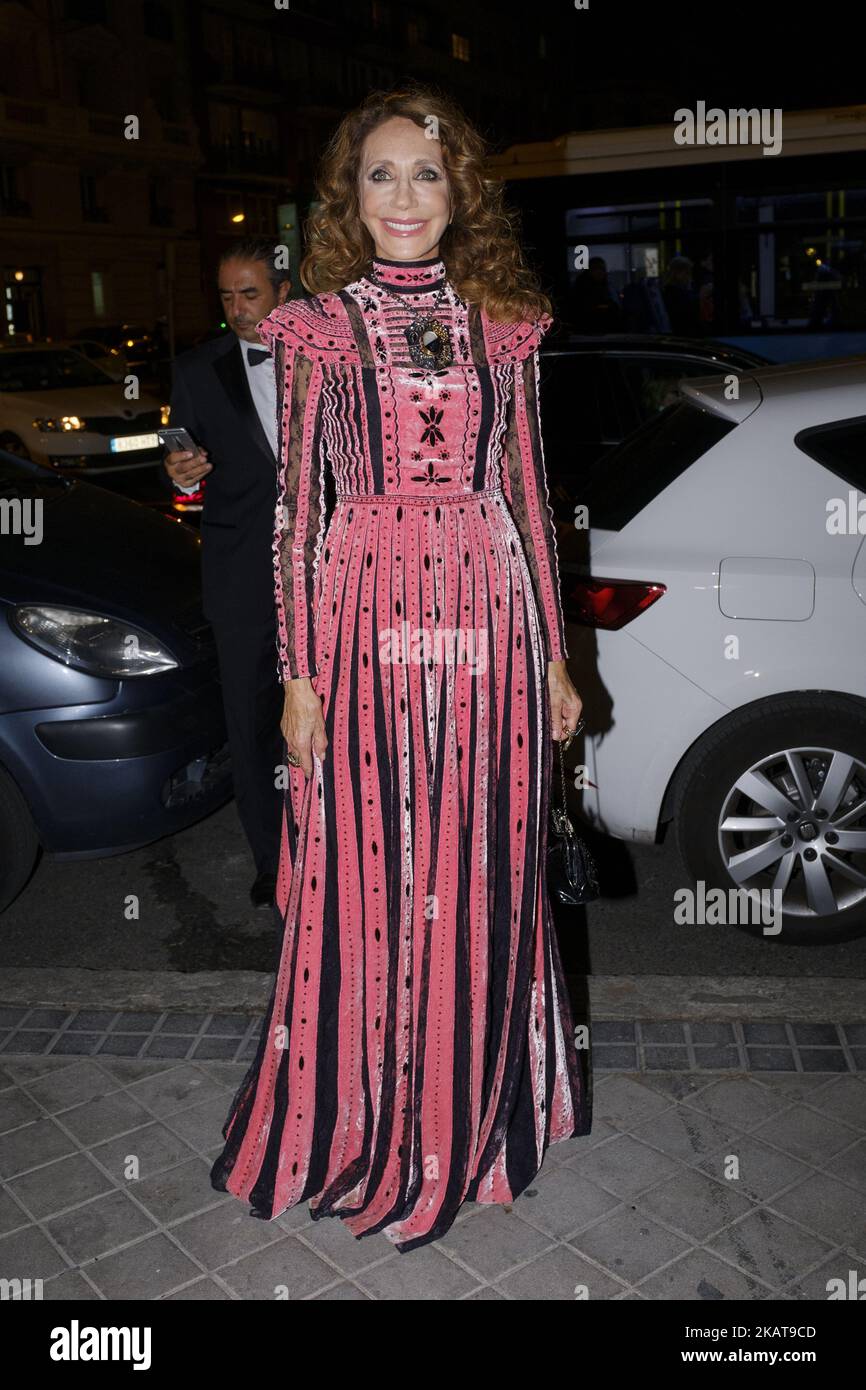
(177, 440)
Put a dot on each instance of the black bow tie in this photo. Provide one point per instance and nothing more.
(257, 355)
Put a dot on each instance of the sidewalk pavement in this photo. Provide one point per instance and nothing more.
(727, 1158)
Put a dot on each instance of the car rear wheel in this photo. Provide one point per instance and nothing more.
(19, 843)
(774, 803)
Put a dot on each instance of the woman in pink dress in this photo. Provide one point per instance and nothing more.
(418, 1050)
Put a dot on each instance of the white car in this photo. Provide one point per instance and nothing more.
(112, 360)
(59, 409)
(716, 610)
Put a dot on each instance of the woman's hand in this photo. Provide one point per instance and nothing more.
(565, 703)
(303, 724)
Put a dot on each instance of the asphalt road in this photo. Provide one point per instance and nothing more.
(194, 914)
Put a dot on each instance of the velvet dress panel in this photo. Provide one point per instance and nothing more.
(418, 1049)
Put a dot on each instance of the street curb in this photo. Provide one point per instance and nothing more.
(816, 999)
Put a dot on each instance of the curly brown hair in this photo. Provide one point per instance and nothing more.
(480, 248)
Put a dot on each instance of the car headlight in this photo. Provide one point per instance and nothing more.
(92, 642)
(164, 414)
(60, 424)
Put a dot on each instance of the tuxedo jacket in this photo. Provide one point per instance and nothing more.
(211, 398)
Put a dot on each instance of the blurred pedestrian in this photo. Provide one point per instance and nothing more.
(681, 300)
(592, 306)
(224, 395)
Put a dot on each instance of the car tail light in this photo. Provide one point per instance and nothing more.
(609, 603)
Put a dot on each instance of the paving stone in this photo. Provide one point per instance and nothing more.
(768, 1247)
(805, 1134)
(694, 1203)
(92, 1020)
(432, 1277)
(625, 1101)
(201, 1125)
(614, 1030)
(68, 1086)
(494, 1242)
(683, 1133)
(177, 1192)
(711, 1032)
(120, 1045)
(718, 1059)
(70, 1287)
(558, 1275)
(844, 1098)
(823, 1059)
(28, 1254)
(850, 1166)
(202, 1291)
(25, 1042)
(738, 1101)
(828, 1207)
(225, 1232)
(701, 1276)
(666, 1058)
(65, 1183)
(285, 1270)
(167, 1045)
(625, 1167)
(175, 1089)
(562, 1201)
(824, 1034)
(821, 1282)
(146, 1270)
(154, 1146)
(771, 1059)
(766, 1031)
(763, 1170)
(75, 1044)
(16, 1109)
(629, 1244)
(653, 1032)
(342, 1293)
(105, 1118)
(103, 1224)
(32, 1146)
(615, 1057)
(331, 1238)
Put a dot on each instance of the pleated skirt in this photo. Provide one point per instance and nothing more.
(418, 1049)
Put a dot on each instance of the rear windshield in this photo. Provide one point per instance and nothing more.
(48, 371)
(644, 464)
(841, 447)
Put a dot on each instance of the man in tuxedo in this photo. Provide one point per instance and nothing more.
(224, 395)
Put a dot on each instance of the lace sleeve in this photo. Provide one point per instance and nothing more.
(300, 515)
(525, 486)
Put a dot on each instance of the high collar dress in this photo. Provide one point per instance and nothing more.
(419, 1047)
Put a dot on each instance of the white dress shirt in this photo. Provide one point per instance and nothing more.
(263, 389)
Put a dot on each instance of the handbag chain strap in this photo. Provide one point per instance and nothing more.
(561, 824)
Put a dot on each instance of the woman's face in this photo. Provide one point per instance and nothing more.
(403, 191)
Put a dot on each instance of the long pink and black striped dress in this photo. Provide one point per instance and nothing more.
(418, 1049)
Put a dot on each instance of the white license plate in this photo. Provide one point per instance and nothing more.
(126, 443)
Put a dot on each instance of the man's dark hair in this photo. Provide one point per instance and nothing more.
(258, 248)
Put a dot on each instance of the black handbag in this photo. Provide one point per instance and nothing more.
(572, 876)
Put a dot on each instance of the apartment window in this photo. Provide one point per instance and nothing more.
(91, 207)
(460, 48)
(11, 203)
(97, 290)
(161, 211)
